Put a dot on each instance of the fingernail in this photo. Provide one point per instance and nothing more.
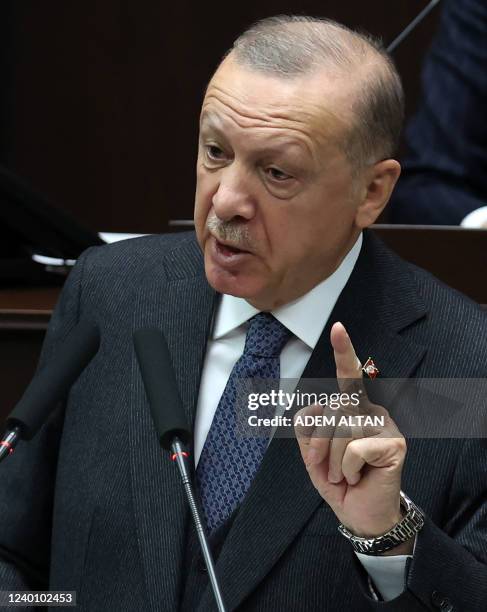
(312, 457)
(333, 478)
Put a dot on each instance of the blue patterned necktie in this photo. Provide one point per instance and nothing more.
(228, 460)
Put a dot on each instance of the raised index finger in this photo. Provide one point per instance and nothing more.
(348, 366)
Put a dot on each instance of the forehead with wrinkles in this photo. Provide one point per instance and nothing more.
(315, 107)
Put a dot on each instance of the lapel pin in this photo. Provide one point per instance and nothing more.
(370, 368)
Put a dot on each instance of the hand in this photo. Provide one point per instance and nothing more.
(357, 470)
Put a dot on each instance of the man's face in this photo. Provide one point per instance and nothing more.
(274, 210)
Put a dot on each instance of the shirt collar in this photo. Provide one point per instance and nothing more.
(305, 317)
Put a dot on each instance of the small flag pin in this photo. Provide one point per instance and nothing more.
(370, 368)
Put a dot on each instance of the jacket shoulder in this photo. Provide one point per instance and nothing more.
(111, 273)
(142, 248)
(454, 328)
(428, 312)
(132, 257)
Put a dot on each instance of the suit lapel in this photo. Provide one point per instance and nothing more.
(377, 302)
(175, 298)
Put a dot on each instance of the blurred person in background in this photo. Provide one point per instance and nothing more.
(444, 173)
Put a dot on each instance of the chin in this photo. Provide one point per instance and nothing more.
(234, 283)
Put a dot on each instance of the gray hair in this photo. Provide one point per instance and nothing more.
(288, 46)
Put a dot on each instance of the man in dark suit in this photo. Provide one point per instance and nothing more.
(444, 175)
(297, 131)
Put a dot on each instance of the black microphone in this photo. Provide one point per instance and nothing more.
(161, 387)
(171, 425)
(50, 385)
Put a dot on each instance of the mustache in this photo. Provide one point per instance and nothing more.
(230, 231)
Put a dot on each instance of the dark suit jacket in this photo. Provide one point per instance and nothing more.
(445, 171)
(92, 504)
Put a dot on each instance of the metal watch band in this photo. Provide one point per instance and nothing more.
(406, 529)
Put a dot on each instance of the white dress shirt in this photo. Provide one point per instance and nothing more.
(306, 318)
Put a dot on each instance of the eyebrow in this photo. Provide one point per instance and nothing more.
(209, 122)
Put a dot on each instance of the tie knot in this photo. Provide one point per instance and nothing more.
(266, 336)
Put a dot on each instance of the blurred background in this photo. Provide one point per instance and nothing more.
(99, 100)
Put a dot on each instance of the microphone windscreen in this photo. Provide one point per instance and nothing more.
(161, 387)
(54, 380)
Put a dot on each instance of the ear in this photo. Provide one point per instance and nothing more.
(379, 183)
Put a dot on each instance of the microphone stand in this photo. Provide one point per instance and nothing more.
(180, 456)
(9, 441)
(171, 425)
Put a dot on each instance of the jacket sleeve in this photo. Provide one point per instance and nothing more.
(28, 476)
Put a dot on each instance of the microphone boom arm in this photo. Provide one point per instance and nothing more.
(410, 27)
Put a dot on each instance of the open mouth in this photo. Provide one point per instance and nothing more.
(227, 249)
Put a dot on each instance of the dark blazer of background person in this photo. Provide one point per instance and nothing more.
(92, 504)
(445, 172)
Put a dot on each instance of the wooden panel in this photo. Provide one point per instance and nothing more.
(107, 95)
(455, 255)
(26, 309)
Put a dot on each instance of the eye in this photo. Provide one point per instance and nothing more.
(278, 175)
(214, 153)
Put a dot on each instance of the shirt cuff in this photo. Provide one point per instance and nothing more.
(476, 219)
(387, 573)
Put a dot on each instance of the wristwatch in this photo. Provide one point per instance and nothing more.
(403, 531)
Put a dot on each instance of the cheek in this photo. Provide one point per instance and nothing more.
(206, 186)
(281, 233)
(205, 190)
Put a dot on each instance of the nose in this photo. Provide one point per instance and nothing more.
(233, 198)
